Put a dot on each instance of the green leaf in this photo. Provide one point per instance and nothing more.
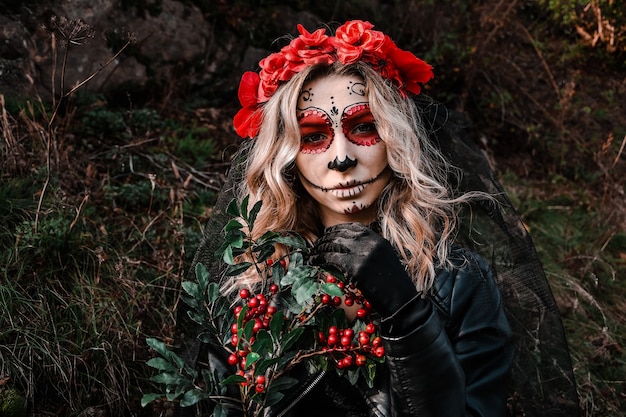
(192, 289)
(192, 397)
(168, 378)
(233, 379)
(213, 292)
(278, 272)
(290, 304)
(248, 329)
(285, 359)
(298, 274)
(233, 209)
(148, 398)
(202, 276)
(291, 338)
(304, 290)
(191, 302)
(295, 259)
(161, 364)
(181, 364)
(254, 212)
(220, 411)
(252, 358)
(158, 346)
(371, 373)
(235, 238)
(263, 364)
(242, 315)
(221, 308)
(331, 289)
(263, 343)
(233, 224)
(228, 255)
(237, 269)
(276, 325)
(265, 251)
(268, 237)
(293, 241)
(198, 317)
(353, 376)
(244, 207)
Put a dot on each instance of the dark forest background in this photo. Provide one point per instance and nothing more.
(116, 121)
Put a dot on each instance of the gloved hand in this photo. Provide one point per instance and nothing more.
(370, 262)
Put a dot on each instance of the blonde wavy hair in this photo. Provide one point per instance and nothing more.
(416, 210)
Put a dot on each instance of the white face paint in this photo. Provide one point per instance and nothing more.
(342, 161)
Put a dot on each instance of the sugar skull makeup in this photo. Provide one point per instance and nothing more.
(342, 161)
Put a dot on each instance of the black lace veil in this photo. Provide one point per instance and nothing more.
(542, 377)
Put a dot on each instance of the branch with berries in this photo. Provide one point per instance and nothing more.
(293, 315)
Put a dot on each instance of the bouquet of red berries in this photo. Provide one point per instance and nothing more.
(288, 313)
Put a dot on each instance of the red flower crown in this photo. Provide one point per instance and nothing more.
(353, 41)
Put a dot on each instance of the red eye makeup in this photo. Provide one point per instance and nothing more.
(316, 131)
(359, 125)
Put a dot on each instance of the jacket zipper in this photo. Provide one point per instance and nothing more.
(302, 394)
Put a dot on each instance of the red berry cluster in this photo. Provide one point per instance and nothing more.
(346, 346)
(260, 310)
(351, 296)
(350, 346)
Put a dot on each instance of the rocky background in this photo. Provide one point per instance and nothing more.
(175, 45)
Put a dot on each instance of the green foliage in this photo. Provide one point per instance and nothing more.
(12, 403)
(144, 120)
(191, 144)
(286, 338)
(103, 123)
(80, 274)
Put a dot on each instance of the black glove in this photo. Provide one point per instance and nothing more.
(370, 262)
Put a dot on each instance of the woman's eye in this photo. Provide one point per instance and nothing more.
(316, 132)
(313, 138)
(363, 134)
(364, 128)
(316, 142)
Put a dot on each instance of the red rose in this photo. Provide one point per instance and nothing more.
(355, 38)
(354, 41)
(248, 88)
(272, 68)
(309, 49)
(247, 122)
(248, 119)
(412, 71)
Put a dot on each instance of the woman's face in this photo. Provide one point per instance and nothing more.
(342, 161)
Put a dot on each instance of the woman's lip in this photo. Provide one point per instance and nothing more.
(344, 186)
(349, 192)
(348, 185)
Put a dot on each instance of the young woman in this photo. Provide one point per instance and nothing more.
(339, 153)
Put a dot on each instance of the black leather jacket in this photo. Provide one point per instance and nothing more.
(455, 363)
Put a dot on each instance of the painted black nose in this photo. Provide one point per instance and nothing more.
(342, 166)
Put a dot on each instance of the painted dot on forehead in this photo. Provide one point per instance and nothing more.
(307, 95)
(334, 111)
(357, 88)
